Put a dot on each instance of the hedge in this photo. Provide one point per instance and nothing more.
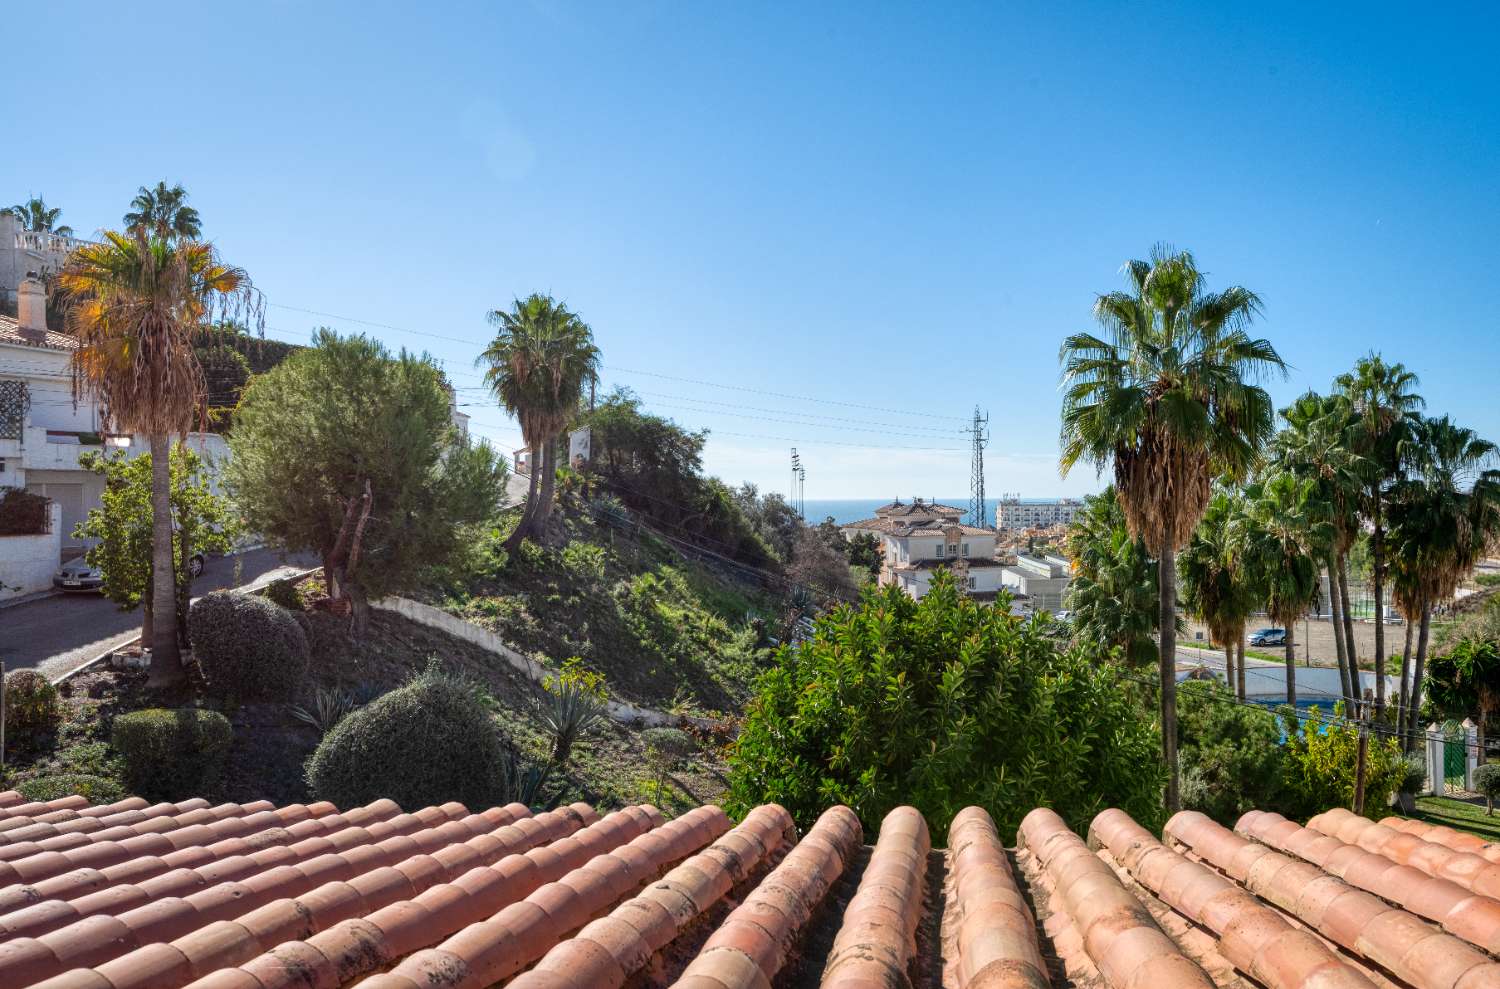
(247, 647)
(94, 789)
(172, 754)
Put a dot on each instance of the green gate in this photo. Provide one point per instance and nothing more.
(1455, 756)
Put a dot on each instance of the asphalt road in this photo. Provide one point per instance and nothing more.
(55, 634)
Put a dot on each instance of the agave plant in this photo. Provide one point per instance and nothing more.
(576, 703)
(329, 706)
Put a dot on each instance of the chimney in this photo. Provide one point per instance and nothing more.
(31, 308)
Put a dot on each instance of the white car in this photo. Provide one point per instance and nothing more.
(79, 575)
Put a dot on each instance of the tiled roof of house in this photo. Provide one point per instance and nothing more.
(10, 332)
(919, 527)
(130, 896)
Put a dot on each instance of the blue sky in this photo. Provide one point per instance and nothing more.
(889, 206)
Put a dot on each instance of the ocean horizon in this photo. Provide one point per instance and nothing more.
(846, 510)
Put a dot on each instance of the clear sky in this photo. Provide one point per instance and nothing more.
(902, 207)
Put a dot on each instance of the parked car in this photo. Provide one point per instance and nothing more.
(1268, 637)
(79, 575)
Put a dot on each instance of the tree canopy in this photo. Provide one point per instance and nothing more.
(349, 452)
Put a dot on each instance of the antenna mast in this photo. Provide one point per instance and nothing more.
(979, 434)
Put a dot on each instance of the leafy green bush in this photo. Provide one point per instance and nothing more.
(284, 592)
(584, 560)
(1231, 754)
(172, 754)
(91, 759)
(1487, 782)
(94, 789)
(426, 743)
(1320, 765)
(942, 703)
(32, 711)
(247, 647)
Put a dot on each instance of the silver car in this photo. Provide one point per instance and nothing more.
(79, 575)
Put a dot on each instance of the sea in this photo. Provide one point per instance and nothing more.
(846, 510)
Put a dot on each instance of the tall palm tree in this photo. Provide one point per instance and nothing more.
(1315, 446)
(35, 215)
(1384, 402)
(538, 364)
(1218, 585)
(136, 304)
(1167, 396)
(1289, 534)
(163, 212)
(1444, 515)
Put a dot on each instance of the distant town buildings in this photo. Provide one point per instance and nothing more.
(1013, 514)
(1039, 582)
(920, 538)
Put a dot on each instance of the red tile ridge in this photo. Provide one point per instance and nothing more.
(996, 932)
(877, 939)
(750, 946)
(1118, 933)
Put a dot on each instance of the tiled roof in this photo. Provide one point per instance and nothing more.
(922, 527)
(10, 332)
(130, 896)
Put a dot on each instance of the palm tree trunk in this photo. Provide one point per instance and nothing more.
(1354, 679)
(1240, 665)
(1290, 645)
(1377, 538)
(1405, 692)
(1229, 665)
(1167, 591)
(528, 512)
(166, 662)
(1334, 618)
(1417, 672)
(548, 488)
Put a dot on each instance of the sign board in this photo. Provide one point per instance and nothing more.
(578, 447)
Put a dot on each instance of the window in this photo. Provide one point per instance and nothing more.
(940, 551)
(965, 549)
(973, 583)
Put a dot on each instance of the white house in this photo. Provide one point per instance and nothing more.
(921, 538)
(1037, 583)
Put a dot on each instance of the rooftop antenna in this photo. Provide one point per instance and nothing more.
(979, 435)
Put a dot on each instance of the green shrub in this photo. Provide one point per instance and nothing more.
(584, 560)
(172, 754)
(666, 748)
(33, 712)
(426, 743)
(91, 759)
(284, 592)
(247, 647)
(1320, 764)
(943, 703)
(576, 703)
(1487, 782)
(1230, 753)
(94, 789)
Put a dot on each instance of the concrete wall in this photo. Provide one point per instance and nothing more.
(27, 562)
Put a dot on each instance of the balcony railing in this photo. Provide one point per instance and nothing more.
(47, 242)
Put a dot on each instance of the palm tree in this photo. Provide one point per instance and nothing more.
(1216, 583)
(35, 215)
(1113, 593)
(136, 305)
(537, 366)
(1315, 446)
(1444, 515)
(1289, 533)
(1384, 405)
(1167, 397)
(163, 212)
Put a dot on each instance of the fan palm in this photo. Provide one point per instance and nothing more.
(538, 364)
(1315, 446)
(1113, 593)
(1289, 532)
(1384, 405)
(1217, 586)
(136, 305)
(1167, 396)
(34, 214)
(163, 212)
(1444, 515)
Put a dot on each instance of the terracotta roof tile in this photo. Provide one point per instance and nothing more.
(257, 897)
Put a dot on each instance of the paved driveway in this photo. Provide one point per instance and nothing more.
(58, 633)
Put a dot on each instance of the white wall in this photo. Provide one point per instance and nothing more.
(28, 562)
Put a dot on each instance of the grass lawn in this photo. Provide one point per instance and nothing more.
(1458, 814)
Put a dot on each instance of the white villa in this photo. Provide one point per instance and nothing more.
(922, 538)
(1037, 582)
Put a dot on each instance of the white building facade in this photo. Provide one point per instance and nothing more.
(920, 538)
(1013, 514)
(1037, 583)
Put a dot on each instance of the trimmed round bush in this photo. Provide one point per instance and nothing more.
(426, 743)
(33, 712)
(172, 754)
(94, 789)
(284, 592)
(247, 647)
